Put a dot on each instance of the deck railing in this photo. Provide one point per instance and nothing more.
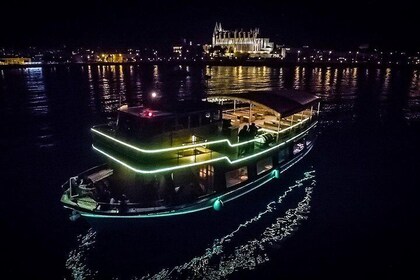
(193, 151)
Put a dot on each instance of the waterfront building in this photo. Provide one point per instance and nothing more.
(239, 41)
(187, 50)
(14, 60)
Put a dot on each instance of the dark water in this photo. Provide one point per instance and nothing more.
(349, 209)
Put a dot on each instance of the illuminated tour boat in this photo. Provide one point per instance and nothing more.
(191, 156)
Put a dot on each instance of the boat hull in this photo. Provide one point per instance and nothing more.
(212, 208)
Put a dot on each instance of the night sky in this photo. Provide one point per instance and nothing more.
(342, 25)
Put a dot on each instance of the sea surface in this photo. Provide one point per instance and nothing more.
(349, 209)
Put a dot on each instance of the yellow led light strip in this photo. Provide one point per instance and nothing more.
(202, 162)
(187, 146)
(208, 205)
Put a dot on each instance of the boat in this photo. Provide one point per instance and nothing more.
(165, 160)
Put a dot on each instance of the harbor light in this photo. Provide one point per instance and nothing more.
(154, 94)
(218, 204)
(276, 173)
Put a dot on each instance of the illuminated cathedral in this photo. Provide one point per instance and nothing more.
(241, 41)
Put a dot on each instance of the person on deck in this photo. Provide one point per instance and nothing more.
(252, 132)
(243, 135)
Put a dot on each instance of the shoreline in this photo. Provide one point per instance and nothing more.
(259, 63)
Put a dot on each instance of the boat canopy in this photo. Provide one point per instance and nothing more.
(170, 108)
(284, 102)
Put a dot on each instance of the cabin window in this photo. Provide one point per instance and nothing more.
(236, 176)
(206, 175)
(264, 165)
(283, 155)
(298, 147)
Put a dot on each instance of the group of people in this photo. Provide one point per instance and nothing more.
(247, 133)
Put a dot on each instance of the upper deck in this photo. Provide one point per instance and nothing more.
(149, 140)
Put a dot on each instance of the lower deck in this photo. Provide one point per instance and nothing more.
(113, 189)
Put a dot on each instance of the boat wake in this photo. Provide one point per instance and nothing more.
(76, 262)
(244, 248)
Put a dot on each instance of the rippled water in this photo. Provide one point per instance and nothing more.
(225, 257)
(238, 250)
(349, 208)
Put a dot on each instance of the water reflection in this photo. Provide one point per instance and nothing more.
(110, 86)
(38, 106)
(56, 106)
(386, 83)
(240, 79)
(384, 94)
(412, 106)
(46, 93)
(230, 254)
(244, 248)
(76, 260)
(37, 98)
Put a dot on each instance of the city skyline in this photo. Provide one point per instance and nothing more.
(158, 24)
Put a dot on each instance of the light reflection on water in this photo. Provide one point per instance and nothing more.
(37, 99)
(240, 79)
(38, 105)
(76, 261)
(110, 86)
(56, 106)
(44, 93)
(412, 107)
(227, 254)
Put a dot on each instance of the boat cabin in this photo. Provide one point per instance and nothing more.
(143, 123)
(171, 154)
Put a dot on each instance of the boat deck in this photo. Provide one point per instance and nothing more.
(263, 119)
(220, 145)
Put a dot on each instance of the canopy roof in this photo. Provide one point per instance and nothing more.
(285, 102)
(168, 109)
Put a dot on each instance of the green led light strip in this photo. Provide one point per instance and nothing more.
(188, 146)
(172, 148)
(202, 162)
(207, 206)
(156, 170)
